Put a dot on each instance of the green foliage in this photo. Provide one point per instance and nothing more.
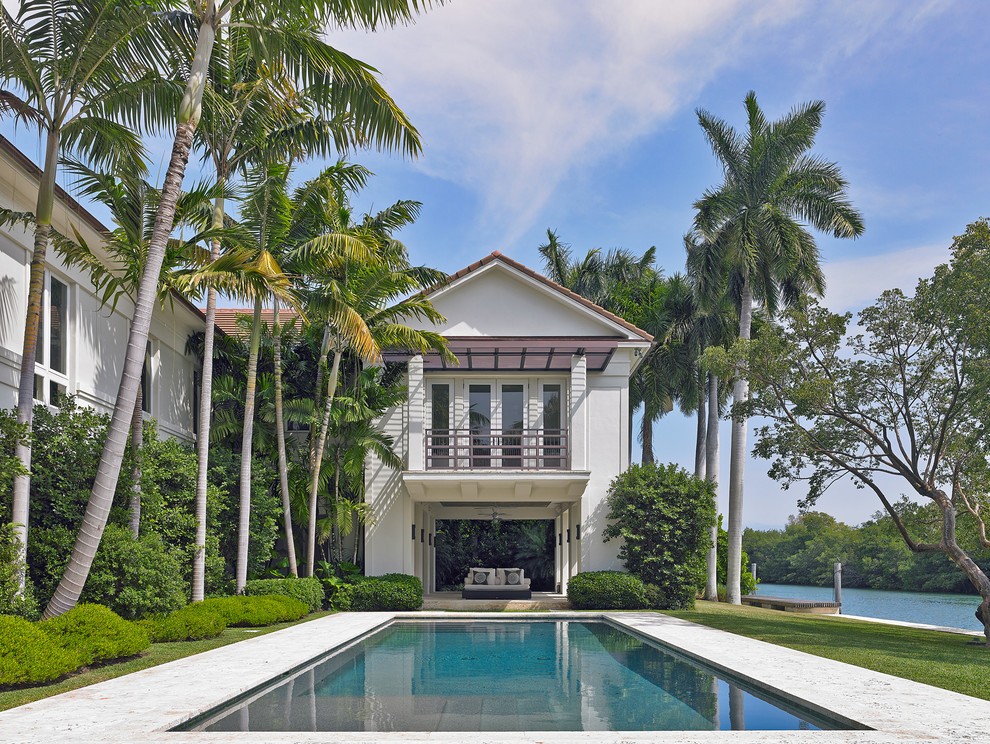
(308, 590)
(382, 593)
(94, 634)
(252, 612)
(343, 597)
(11, 433)
(608, 590)
(191, 623)
(135, 577)
(27, 655)
(664, 516)
(873, 555)
(463, 543)
(13, 602)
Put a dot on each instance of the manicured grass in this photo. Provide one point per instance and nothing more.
(941, 659)
(157, 653)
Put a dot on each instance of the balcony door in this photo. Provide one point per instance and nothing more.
(496, 418)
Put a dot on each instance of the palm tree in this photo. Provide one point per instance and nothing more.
(355, 303)
(64, 62)
(758, 247)
(256, 112)
(274, 26)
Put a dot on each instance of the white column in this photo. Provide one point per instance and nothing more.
(409, 519)
(417, 413)
(579, 413)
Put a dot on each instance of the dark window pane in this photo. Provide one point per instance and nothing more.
(39, 388)
(55, 393)
(551, 427)
(513, 405)
(438, 451)
(480, 416)
(57, 325)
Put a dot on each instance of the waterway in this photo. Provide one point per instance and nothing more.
(952, 610)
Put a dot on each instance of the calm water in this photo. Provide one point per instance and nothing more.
(952, 610)
(503, 676)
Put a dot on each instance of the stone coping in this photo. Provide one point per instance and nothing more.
(142, 706)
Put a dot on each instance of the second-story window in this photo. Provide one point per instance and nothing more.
(51, 379)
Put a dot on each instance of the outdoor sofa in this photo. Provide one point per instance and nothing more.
(496, 583)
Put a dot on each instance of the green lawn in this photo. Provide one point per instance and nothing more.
(157, 653)
(940, 659)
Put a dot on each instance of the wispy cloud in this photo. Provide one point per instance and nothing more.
(854, 283)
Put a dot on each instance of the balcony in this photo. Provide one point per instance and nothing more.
(484, 449)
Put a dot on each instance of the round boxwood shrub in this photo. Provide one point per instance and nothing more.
(28, 656)
(94, 634)
(191, 623)
(393, 592)
(664, 517)
(308, 590)
(607, 590)
(252, 612)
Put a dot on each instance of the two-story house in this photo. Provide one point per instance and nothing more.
(534, 423)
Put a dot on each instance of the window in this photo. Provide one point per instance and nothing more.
(551, 426)
(51, 362)
(439, 441)
(513, 423)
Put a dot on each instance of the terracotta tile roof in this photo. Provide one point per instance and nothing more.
(496, 256)
(226, 319)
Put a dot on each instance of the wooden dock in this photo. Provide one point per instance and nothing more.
(787, 604)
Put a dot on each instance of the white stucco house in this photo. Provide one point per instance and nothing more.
(81, 347)
(534, 422)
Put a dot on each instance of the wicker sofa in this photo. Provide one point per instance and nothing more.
(496, 583)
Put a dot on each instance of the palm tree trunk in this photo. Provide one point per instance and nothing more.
(647, 432)
(137, 446)
(699, 442)
(283, 464)
(205, 420)
(318, 394)
(314, 485)
(108, 472)
(247, 439)
(21, 498)
(711, 473)
(737, 461)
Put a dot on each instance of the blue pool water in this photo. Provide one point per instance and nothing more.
(503, 676)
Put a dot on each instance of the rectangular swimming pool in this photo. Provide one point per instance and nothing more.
(552, 675)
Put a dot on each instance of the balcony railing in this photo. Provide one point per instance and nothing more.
(484, 449)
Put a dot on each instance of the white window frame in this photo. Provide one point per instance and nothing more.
(43, 371)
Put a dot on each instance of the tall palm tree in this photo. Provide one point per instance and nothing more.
(64, 63)
(758, 246)
(274, 26)
(356, 304)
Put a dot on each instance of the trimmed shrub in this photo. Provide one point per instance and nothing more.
(12, 601)
(608, 590)
(343, 597)
(664, 517)
(388, 592)
(135, 577)
(308, 590)
(27, 655)
(255, 611)
(191, 623)
(94, 634)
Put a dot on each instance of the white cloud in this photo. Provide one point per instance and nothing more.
(857, 282)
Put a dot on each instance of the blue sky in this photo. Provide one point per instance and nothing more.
(579, 116)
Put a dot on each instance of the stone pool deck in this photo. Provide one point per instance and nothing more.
(141, 707)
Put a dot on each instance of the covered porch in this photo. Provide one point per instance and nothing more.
(488, 496)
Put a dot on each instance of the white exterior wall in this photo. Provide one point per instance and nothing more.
(96, 337)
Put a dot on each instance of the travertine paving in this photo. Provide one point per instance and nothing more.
(143, 706)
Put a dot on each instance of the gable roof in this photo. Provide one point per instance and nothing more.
(528, 272)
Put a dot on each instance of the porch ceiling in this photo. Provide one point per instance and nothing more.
(536, 488)
(486, 353)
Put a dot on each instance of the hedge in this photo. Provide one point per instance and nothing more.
(609, 590)
(28, 656)
(308, 590)
(94, 633)
(380, 594)
(255, 611)
(191, 623)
